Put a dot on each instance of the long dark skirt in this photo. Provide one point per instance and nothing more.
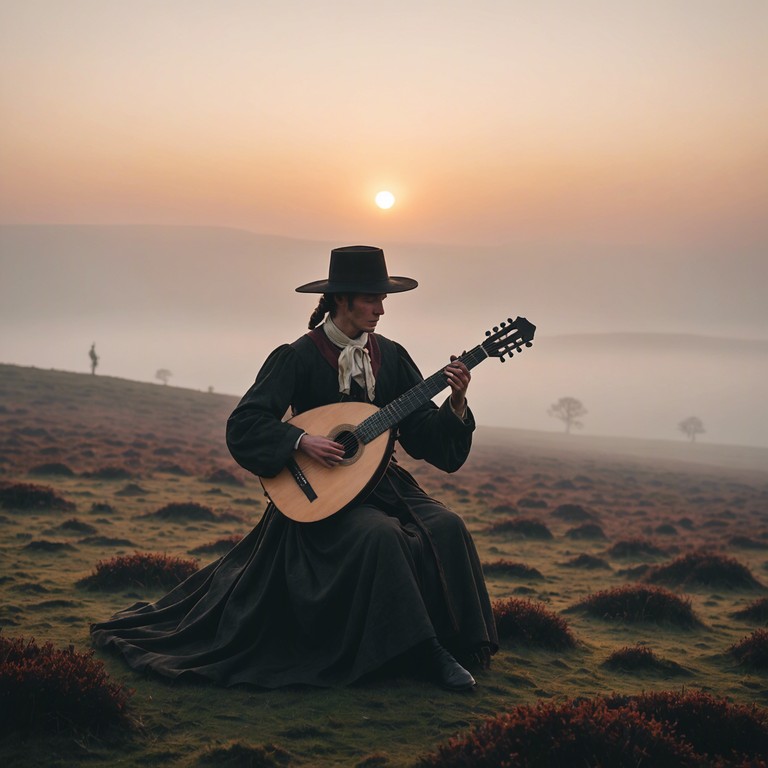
(321, 603)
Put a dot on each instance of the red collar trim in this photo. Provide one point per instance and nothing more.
(331, 352)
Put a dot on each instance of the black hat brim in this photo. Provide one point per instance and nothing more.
(391, 285)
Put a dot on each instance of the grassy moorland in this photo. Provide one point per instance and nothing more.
(652, 557)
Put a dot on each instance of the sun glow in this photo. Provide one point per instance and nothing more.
(385, 200)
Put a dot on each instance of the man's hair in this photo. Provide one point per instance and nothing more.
(326, 304)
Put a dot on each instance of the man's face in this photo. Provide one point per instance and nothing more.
(360, 314)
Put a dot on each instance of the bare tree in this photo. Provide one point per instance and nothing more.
(568, 410)
(163, 374)
(691, 427)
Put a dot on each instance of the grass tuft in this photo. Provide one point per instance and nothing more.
(239, 755)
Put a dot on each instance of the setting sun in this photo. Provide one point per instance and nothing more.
(385, 200)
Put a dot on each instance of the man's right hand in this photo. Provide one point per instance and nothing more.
(322, 449)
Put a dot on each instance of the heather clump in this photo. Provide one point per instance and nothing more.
(223, 477)
(532, 502)
(220, 546)
(110, 472)
(563, 735)
(747, 542)
(588, 562)
(641, 658)
(28, 496)
(704, 569)
(190, 510)
(639, 603)
(44, 689)
(722, 733)
(531, 623)
(51, 469)
(75, 525)
(573, 513)
(757, 610)
(141, 569)
(752, 651)
(522, 527)
(664, 730)
(512, 570)
(586, 531)
(635, 548)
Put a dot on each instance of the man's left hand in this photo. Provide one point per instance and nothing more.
(458, 379)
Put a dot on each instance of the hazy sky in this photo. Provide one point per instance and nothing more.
(597, 165)
(490, 120)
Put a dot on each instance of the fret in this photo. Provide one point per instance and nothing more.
(393, 413)
(504, 340)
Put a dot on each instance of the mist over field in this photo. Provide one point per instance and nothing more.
(644, 337)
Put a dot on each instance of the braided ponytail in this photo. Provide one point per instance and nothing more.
(326, 304)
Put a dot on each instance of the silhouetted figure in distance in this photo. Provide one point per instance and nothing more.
(94, 358)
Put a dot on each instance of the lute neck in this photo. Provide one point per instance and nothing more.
(393, 413)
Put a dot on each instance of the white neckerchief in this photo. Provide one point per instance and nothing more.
(354, 360)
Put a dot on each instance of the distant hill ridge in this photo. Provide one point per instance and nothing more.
(88, 421)
(683, 342)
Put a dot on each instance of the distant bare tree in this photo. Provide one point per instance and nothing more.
(163, 374)
(691, 427)
(568, 410)
(94, 358)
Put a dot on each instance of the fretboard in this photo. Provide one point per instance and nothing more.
(392, 414)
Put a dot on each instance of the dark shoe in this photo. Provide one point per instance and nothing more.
(445, 670)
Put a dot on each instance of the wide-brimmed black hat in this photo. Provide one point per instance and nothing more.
(358, 269)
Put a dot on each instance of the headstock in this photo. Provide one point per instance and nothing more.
(509, 337)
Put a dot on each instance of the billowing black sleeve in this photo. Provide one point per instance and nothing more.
(257, 437)
(434, 434)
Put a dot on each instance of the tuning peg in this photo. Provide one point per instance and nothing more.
(510, 320)
(495, 328)
(487, 333)
(528, 343)
(501, 357)
(503, 325)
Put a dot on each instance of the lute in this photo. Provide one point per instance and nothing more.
(307, 491)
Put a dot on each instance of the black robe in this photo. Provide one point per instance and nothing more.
(323, 603)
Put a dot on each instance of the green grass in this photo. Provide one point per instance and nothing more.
(93, 422)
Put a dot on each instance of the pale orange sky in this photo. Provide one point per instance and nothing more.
(490, 121)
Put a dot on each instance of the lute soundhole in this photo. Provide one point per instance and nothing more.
(353, 448)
